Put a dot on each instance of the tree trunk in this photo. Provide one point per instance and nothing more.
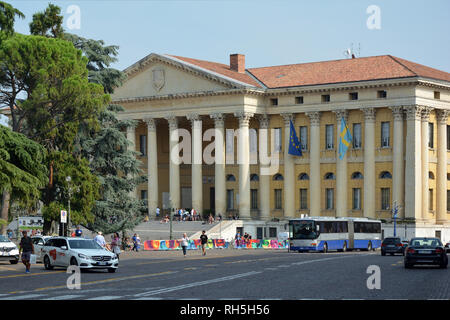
(4, 210)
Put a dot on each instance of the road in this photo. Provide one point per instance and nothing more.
(232, 275)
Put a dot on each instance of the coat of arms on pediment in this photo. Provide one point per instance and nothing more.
(159, 78)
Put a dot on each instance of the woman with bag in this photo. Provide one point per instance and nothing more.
(115, 244)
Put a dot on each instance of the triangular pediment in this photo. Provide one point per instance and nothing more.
(162, 75)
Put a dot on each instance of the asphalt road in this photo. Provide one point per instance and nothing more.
(233, 275)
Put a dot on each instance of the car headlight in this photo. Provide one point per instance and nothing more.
(115, 257)
(82, 256)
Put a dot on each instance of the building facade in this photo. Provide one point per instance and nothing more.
(397, 112)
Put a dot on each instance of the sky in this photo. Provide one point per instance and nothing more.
(269, 33)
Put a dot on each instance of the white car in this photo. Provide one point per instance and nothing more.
(85, 253)
(38, 243)
(8, 250)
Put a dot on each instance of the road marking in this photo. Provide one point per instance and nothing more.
(7, 268)
(105, 298)
(29, 274)
(27, 296)
(149, 298)
(66, 297)
(196, 284)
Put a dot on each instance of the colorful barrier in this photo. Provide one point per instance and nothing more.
(161, 245)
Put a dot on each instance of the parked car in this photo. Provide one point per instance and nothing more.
(447, 247)
(428, 251)
(38, 242)
(8, 250)
(85, 253)
(392, 245)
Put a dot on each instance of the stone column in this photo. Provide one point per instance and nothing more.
(413, 165)
(289, 169)
(174, 162)
(441, 174)
(152, 167)
(425, 117)
(220, 189)
(314, 164)
(341, 170)
(131, 137)
(264, 177)
(197, 161)
(369, 163)
(398, 170)
(244, 164)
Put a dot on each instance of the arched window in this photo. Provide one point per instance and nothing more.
(231, 177)
(431, 175)
(278, 177)
(329, 176)
(357, 175)
(303, 176)
(254, 177)
(385, 175)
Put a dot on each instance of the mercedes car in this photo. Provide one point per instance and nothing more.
(8, 250)
(425, 251)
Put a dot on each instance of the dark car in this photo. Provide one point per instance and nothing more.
(392, 245)
(447, 247)
(428, 251)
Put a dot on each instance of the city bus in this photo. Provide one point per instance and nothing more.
(329, 233)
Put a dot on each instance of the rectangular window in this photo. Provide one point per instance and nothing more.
(230, 199)
(229, 142)
(353, 95)
(385, 198)
(278, 199)
(278, 140)
(274, 101)
(448, 137)
(356, 198)
(430, 135)
(304, 137)
(448, 200)
(303, 199)
(357, 136)
(430, 200)
(272, 232)
(253, 137)
(254, 198)
(329, 137)
(143, 144)
(144, 196)
(437, 95)
(385, 134)
(329, 192)
(298, 100)
(325, 98)
(382, 94)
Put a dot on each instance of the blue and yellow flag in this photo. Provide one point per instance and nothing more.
(294, 144)
(345, 139)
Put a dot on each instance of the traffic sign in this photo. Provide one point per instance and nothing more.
(63, 216)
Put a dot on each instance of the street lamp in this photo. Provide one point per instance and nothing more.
(170, 218)
(70, 192)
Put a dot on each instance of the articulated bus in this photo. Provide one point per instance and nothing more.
(329, 233)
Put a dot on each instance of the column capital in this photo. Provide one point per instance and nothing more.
(413, 112)
(264, 120)
(369, 114)
(425, 115)
(342, 113)
(442, 116)
(219, 119)
(287, 117)
(244, 117)
(314, 118)
(193, 117)
(398, 113)
(173, 121)
(131, 127)
(151, 123)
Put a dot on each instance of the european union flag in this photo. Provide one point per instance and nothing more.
(294, 144)
(345, 139)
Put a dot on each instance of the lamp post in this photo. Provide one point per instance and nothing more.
(69, 191)
(170, 218)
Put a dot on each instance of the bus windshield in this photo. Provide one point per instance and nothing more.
(303, 229)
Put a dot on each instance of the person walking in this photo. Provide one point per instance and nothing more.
(78, 232)
(26, 249)
(204, 241)
(184, 243)
(136, 242)
(100, 239)
(115, 244)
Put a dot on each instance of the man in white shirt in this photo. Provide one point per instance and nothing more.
(157, 212)
(100, 239)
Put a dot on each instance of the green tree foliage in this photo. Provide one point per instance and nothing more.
(48, 23)
(7, 18)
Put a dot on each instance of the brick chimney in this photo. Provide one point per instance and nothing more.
(237, 62)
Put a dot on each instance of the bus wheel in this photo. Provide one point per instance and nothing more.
(325, 248)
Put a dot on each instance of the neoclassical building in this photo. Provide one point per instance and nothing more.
(397, 112)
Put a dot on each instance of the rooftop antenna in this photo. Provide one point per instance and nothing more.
(348, 53)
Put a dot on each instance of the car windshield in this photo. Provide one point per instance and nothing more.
(391, 240)
(303, 229)
(3, 238)
(426, 242)
(84, 244)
